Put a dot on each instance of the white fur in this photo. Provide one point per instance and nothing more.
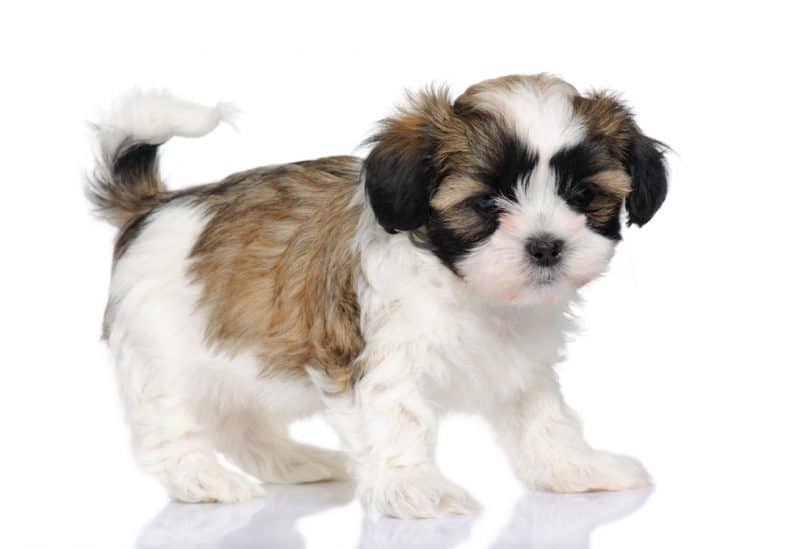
(499, 267)
(155, 116)
(542, 116)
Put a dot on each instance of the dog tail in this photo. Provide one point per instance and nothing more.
(126, 180)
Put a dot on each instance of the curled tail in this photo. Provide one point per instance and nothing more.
(126, 181)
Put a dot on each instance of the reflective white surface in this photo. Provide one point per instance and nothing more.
(538, 520)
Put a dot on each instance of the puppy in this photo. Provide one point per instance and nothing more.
(434, 275)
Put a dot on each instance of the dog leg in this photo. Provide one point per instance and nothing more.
(544, 441)
(265, 451)
(396, 473)
(169, 441)
(171, 445)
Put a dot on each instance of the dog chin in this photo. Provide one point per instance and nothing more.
(547, 293)
(551, 293)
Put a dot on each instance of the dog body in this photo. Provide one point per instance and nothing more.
(434, 275)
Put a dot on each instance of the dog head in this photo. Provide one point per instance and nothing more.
(518, 185)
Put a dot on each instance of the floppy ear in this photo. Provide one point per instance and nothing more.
(647, 169)
(610, 120)
(400, 171)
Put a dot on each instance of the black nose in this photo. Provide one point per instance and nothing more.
(545, 250)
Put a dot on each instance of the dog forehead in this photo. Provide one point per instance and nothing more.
(540, 109)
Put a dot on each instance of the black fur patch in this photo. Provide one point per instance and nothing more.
(647, 167)
(136, 164)
(571, 167)
(398, 182)
(511, 162)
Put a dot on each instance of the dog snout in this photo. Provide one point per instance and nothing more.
(545, 249)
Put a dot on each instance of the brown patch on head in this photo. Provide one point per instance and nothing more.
(277, 267)
(492, 94)
(452, 203)
(455, 190)
(615, 182)
(614, 185)
(602, 210)
(608, 119)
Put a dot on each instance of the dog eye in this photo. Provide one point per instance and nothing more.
(581, 196)
(486, 204)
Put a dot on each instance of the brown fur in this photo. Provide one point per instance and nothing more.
(455, 190)
(277, 268)
(276, 265)
(480, 93)
(606, 117)
(613, 181)
(449, 201)
(616, 185)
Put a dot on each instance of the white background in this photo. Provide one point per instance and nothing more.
(693, 354)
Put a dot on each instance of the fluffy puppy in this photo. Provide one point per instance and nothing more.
(436, 274)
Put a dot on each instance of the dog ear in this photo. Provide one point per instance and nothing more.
(647, 168)
(400, 171)
(612, 122)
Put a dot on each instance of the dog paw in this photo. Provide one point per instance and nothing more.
(592, 472)
(202, 479)
(415, 492)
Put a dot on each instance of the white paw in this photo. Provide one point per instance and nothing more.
(415, 492)
(594, 471)
(202, 479)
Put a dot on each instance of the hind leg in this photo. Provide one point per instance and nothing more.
(169, 440)
(167, 374)
(264, 449)
(173, 448)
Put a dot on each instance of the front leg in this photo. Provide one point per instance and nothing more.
(544, 441)
(396, 473)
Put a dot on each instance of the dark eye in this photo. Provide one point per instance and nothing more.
(581, 196)
(486, 205)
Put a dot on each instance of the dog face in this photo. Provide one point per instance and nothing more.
(518, 185)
